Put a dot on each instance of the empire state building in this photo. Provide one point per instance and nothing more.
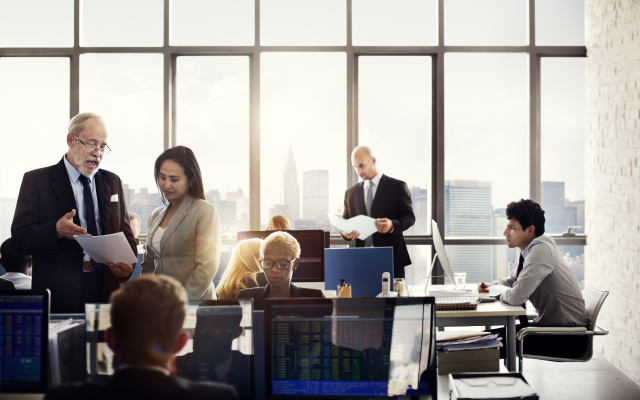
(290, 194)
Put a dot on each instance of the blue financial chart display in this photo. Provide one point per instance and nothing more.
(353, 350)
(21, 320)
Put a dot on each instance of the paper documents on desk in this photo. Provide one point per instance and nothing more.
(474, 343)
(112, 248)
(363, 224)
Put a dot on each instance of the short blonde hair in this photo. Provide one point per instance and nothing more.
(147, 315)
(77, 123)
(283, 239)
(278, 223)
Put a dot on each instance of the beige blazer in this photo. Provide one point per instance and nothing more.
(189, 248)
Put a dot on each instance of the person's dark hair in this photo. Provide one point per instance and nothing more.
(527, 213)
(184, 156)
(12, 262)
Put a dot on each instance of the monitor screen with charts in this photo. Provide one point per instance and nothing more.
(370, 347)
(312, 245)
(24, 323)
(220, 348)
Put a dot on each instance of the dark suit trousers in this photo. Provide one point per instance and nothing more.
(92, 289)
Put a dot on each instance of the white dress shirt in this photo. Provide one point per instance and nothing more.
(78, 194)
(376, 183)
(20, 280)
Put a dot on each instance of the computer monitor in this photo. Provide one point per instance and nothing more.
(220, 348)
(24, 337)
(312, 245)
(441, 254)
(369, 347)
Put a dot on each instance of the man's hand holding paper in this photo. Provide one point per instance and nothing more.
(360, 226)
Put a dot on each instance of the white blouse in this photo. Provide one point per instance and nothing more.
(157, 237)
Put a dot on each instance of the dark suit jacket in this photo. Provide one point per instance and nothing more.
(45, 197)
(135, 384)
(259, 294)
(392, 201)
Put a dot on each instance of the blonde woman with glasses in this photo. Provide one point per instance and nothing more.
(243, 270)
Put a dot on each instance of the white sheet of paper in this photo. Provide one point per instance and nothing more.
(112, 248)
(363, 224)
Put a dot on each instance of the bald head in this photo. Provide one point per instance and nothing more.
(361, 150)
(364, 163)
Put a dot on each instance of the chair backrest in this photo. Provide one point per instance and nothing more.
(593, 300)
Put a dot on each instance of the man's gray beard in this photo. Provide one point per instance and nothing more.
(82, 169)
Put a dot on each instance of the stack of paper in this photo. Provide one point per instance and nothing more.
(475, 341)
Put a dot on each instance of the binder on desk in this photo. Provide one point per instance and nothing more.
(361, 267)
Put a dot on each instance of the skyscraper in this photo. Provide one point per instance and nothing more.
(315, 194)
(290, 194)
(468, 213)
(420, 210)
(553, 205)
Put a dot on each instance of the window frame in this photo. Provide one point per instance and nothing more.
(171, 53)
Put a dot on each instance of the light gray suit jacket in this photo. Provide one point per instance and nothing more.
(189, 248)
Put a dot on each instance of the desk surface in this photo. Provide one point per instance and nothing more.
(494, 309)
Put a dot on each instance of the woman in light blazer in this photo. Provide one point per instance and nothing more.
(183, 236)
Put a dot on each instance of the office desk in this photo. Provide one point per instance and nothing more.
(496, 313)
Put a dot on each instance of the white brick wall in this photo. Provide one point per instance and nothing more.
(613, 174)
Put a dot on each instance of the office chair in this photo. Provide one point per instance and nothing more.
(593, 300)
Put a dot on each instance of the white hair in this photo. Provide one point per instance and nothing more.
(77, 123)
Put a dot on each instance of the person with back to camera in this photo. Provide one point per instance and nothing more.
(17, 269)
(544, 278)
(278, 223)
(243, 270)
(280, 256)
(184, 235)
(147, 316)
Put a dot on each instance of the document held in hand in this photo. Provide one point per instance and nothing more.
(363, 224)
(112, 248)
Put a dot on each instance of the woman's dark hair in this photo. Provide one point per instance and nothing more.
(187, 160)
(527, 213)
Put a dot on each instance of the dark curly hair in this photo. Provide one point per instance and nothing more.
(527, 213)
(186, 159)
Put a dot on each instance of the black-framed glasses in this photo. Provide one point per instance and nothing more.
(93, 147)
(281, 265)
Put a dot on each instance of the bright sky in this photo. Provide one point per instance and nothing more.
(303, 95)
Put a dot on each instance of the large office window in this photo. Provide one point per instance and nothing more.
(213, 121)
(303, 137)
(395, 122)
(273, 95)
(126, 91)
(33, 128)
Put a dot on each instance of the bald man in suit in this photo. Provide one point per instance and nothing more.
(384, 198)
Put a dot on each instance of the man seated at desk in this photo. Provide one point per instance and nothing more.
(280, 256)
(544, 278)
(147, 316)
(17, 269)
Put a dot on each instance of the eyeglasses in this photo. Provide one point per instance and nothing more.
(93, 147)
(281, 265)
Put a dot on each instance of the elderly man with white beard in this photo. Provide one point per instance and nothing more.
(73, 197)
